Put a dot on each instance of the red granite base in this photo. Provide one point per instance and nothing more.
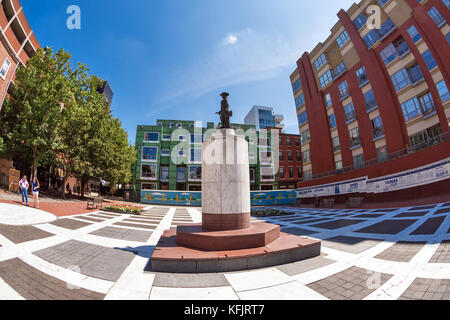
(225, 221)
(257, 235)
(171, 257)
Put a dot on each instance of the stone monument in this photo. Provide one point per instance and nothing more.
(226, 240)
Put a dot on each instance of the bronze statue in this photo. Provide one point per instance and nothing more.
(225, 113)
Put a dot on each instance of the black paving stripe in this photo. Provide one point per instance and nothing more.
(388, 227)
(430, 226)
(33, 284)
(423, 208)
(337, 224)
(411, 214)
(21, 234)
(70, 224)
(441, 211)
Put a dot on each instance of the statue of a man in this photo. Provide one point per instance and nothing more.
(225, 113)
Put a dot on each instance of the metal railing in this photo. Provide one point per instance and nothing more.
(444, 137)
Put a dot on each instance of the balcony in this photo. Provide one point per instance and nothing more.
(371, 105)
(363, 79)
(415, 74)
(355, 142)
(351, 116)
(377, 133)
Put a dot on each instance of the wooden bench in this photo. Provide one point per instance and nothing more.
(327, 203)
(355, 202)
(95, 202)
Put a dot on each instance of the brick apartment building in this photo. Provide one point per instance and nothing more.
(290, 161)
(372, 102)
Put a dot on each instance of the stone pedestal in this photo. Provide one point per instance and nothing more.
(226, 240)
(225, 182)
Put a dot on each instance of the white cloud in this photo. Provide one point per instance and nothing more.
(240, 57)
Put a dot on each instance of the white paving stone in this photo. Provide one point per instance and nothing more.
(217, 293)
(250, 280)
(14, 215)
(289, 291)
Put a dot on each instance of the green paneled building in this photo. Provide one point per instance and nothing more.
(169, 156)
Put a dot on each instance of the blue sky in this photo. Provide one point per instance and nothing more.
(171, 59)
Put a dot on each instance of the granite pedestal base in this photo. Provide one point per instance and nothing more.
(260, 246)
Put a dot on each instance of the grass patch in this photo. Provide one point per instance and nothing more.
(124, 208)
(270, 213)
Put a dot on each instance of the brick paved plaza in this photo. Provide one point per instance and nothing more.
(389, 253)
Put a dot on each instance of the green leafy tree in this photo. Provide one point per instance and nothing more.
(33, 111)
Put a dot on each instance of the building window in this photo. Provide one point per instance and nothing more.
(327, 100)
(382, 154)
(302, 118)
(196, 138)
(338, 165)
(362, 76)
(371, 102)
(299, 172)
(443, 91)
(195, 173)
(281, 173)
(297, 85)
(159, 124)
(267, 174)
(350, 113)
(342, 39)
(165, 153)
(371, 38)
(355, 140)
(427, 104)
(436, 16)
(411, 109)
(291, 172)
(415, 74)
(172, 125)
(148, 186)
(332, 120)
(148, 171)
(429, 60)
(179, 125)
(290, 156)
(336, 144)
(288, 141)
(196, 155)
(305, 137)
(164, 174)
(181, 174)
(344, 92)
(321, 61)
(5, 68)
(151, 137)
(307, 174)
(414, 34)
(252, 175)
(358, 161)
(300, 101)
(425, 138)
(326, 78)
(400, 79)
(447, 3)
(281, 156)
(306, 155)
(150, 153)
(377, 127)
(166, 137)
(265, 157)
(360, 21)
(182, 138)
(297, 142)
(340, 69)
(299, 156)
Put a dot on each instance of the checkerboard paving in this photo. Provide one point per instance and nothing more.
(392, 253)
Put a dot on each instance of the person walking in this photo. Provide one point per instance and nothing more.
(24, 185)
(35, 185)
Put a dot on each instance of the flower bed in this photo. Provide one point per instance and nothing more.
(270, 213)
(124, 208)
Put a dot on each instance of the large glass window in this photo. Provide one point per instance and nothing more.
(332, 119)
(327, 100)
(358, 161)
(344, 92)
(342, 39)
(371, 102)
(355, 140)
(297, 85)
(360, 21)
(148, 186)
(350, 113)
(148, 171)
(336, 144)
(267, 174)
(306, 155)
(150, 153)
(414, 34)
(400, 79)
(302, 118)
(371, 38)
(305, 136)
(377, 127)
(321, 61)
(443, 91)
(362, 76)
(436, 16)
(429, 60)
(195, 173)
(196, 138)
(181, 174)
(300, 101)
(164, 174)
(196, 155)
(427, 103)
(326, 78)
(151, 137)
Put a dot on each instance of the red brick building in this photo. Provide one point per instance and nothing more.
(18, 43)
(373, 102)
(290, 161)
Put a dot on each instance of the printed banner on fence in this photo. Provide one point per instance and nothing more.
(344, 187)
(412, 178)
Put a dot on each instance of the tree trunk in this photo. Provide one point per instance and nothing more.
(34, 166)
(83, 182)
